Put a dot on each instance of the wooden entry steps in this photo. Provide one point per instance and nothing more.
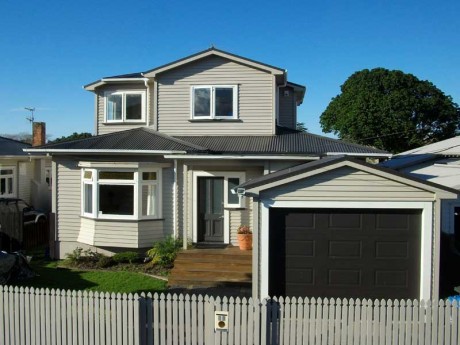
(212, 267)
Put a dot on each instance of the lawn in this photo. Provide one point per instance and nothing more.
(53, 276)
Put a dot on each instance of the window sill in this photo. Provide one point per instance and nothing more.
(123, 220)
(215, 120)
(124, 122)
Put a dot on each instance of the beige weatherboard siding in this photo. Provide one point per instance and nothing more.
(77, 231)
(255, 98)
(102, 126)
(347, 183)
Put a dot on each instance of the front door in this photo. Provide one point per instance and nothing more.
(211, 209)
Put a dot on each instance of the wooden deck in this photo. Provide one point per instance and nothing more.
(212, 267)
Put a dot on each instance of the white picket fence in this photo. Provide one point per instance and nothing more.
(39, 316)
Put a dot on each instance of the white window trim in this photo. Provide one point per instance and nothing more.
(212, 115)
(137, 184)
(226, 175)
(13, 175)
(123, 102)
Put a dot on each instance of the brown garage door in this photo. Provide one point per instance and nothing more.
(345, 253)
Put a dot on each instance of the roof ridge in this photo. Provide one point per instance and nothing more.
(179, 141)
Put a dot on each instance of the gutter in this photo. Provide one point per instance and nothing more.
(64, 151)
(376, 155)
(225, 157)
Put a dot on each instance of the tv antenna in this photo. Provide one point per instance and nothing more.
(31, 118)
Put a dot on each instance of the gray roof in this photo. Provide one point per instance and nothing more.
(143, 139)
(10, 147)
(287, 142)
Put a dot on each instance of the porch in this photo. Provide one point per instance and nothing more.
(212, 268)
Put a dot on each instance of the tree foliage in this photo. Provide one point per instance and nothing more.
(300, 126)
(21, 136)
(390, 110)
(73, 136)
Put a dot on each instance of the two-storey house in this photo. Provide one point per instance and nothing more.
(199, 146)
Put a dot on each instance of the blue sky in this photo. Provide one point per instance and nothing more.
(49, 49)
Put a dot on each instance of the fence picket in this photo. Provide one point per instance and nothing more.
(39, 316)
(454, 329)
(446, 321)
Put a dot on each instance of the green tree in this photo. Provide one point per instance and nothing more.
(300, 126)
(73, 136)
(390, 110)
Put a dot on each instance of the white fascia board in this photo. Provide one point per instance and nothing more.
(122, 165)
(246, 157)
(376, 155)
(104, 81)
(62, 151)
(270, 69)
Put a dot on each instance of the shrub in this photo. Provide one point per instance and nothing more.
(79, 257)
(163, 253)
(104, 261)
(125, 257)
(75, 255)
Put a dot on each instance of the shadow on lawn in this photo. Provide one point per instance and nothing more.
(53, 277)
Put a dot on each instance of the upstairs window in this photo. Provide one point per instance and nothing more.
(214, 102)
(125, 106)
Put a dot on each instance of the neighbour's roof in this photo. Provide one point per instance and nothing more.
(10, 147)
(291, 142)
(445, 148)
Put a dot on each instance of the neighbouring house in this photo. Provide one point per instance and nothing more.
(24, 175)
(174, 143)
(439, 163)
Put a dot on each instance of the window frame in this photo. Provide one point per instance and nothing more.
(242, 178)
(137, 184)
(212, 115)
(123, 94)
(6, 177)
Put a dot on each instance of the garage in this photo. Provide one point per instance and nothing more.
(345, 253)
(340, 227)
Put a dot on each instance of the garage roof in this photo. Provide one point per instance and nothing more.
(330, 163)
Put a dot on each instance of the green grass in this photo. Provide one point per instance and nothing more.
(52, 276)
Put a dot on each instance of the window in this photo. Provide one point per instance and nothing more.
(125, 106)
(7, 182)
(214, 102)
(121, 194)
(232, 180)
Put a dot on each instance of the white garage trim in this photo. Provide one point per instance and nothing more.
(426, 236)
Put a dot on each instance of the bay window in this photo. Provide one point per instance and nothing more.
(214, 102)
(125, 106)
(121, 193)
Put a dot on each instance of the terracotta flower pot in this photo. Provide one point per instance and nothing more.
(245, 241)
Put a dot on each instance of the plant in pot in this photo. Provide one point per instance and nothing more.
(244, 235)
